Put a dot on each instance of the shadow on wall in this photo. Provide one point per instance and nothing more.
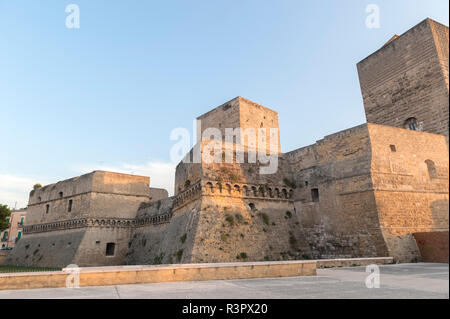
(439, 212)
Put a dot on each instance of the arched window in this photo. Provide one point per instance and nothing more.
(209, 185)
(411, 124)
(432, 173)
(261, 192)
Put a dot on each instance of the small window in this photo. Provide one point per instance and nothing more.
(69, 208)
(306, 183)
(47, 208)
(39, 199)
(393, 148)
(411, 124)
(432, 173)
(315, 195)
(61, 194)
(110, 247)
(252, 206)
(19, 234)
(187, 183)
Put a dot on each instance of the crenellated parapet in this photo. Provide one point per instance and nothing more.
(265, 191)
(154, 220)
(215, 188)
(79, 223)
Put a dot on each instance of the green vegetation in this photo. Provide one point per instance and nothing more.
(265, 218)
(242, 255)
(223, 237)
(239, 217)
(9, 269)
(179, 255)
(158, 259)
(292, 240)
(229, 219)
(289, 183)
(306, 256)
(36, 186)
(266, 258)
(183, 238)
(5, 212)
(288, 214)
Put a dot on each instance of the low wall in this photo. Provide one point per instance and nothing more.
(119, 275)
(433, 246)
(353, 262)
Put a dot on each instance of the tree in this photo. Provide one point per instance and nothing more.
(36, 186)
(5, 212)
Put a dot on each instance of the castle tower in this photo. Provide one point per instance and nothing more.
(244, 114)
(405, 83)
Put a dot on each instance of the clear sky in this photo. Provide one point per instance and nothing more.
(107, 95)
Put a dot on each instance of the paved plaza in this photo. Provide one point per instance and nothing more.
(421, 280)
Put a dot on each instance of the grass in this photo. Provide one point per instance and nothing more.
(239, 217)
(265, 218)
(179, 255)
(183, 238)
(10, 269)
(289, 183)
(242, 255)
(229, 219)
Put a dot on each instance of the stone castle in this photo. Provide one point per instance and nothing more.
(361, 192)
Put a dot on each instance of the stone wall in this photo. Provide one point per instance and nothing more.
(408, 78)
(342, 220)
(409, 197)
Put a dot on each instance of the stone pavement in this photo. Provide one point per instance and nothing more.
(421, 280)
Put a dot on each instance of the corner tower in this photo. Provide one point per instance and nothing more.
(406, 84)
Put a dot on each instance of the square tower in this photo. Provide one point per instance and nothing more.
(405, 83)
(244, 114)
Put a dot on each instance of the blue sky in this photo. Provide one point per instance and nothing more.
(107, 95)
